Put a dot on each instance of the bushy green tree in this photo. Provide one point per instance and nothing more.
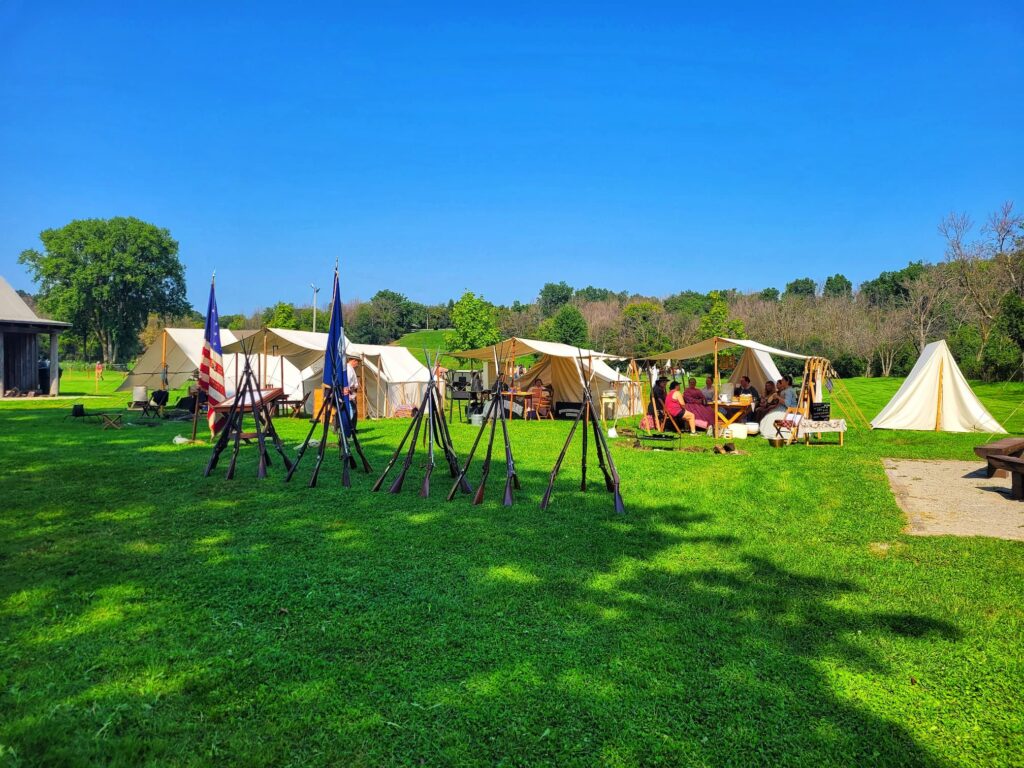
(105, 277)
(553, 296)
(716, 322)
(838, 286)
(803, 287)
(281, 315)
(473, 324)
(381, 320)
(769, 294)
(567, 326)
(890, 288)
(689, 303)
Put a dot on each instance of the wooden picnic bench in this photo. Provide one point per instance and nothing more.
(1008, 446)
(1015, 466)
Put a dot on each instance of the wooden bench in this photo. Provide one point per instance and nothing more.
(1008, 446)
(1015, 466)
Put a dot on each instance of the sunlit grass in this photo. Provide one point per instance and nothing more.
(757, 609)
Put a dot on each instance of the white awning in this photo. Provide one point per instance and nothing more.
(707, 347)
(518, 347)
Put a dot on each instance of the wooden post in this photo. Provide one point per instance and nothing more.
(938, 408)
(714, 414)
(266, 361)
(54, 365)
(3, 384)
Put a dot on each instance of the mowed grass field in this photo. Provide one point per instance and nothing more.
(763, 609)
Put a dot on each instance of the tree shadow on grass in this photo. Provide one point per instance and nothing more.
(154, 615)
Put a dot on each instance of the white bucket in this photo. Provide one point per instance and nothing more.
(477, 419)
(139, 395)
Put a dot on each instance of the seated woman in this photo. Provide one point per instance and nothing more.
(786, 391)
(697, 404)
(770, 402)
(676, 410)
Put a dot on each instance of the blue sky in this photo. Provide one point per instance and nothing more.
(438, 148)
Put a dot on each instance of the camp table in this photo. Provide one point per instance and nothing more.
(733, 410)
(268, 395)
(525, 395)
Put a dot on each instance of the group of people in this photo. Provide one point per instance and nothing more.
(692, 407)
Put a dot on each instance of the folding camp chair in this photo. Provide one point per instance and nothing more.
(790, 423)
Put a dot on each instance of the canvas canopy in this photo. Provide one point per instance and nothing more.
(757, 366)
(936, 397)
(558, 366)
(720, 343)
(390, 376)
(183, 348)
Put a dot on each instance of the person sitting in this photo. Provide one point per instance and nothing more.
(786, 391)
(675, 408)
(709, 389)
(771, 401)
(745, 388)
(697, 404)
(656, 408)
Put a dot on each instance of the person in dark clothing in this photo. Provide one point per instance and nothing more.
(745, 388)
(658, 395)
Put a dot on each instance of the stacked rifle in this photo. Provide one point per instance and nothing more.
(434, 433)
(248, 395)
(589, 416)
(494, 413)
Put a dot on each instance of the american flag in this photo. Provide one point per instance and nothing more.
(211, 368)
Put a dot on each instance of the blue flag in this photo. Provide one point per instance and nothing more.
(335, 364)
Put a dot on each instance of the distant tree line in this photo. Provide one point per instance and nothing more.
(119, 282)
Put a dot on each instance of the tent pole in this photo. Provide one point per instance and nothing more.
(714, 415)
(938, 406)
(266, 361)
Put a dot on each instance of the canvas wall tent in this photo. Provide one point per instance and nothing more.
(557, 366)
(390, 376)
(182, 349)
(936, 397)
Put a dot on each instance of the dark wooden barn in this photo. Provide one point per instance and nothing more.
(20, 329)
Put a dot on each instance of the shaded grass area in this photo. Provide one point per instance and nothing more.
(755, 609)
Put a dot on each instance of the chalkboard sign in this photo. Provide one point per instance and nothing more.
(821, 411)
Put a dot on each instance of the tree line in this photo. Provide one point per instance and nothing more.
(119, 282)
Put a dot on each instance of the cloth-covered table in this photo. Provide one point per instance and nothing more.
(808, 427)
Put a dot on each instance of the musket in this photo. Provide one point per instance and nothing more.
(305, 443)
(431, 428)
(472, 451)
(546, 498)
(396, 486)
(511, 476)
(394, 456)
(478, 497)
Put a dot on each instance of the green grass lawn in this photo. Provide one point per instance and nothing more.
(763, 609)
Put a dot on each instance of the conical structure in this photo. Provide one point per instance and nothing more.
(936, 397)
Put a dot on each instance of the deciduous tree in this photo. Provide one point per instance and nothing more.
(105, 277)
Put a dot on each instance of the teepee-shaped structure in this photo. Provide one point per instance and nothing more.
(936, 397)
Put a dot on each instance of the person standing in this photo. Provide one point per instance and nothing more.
(352, 390)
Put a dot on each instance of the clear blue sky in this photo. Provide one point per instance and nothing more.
(440, 148)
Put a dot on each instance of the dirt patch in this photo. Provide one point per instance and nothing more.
(954, 498)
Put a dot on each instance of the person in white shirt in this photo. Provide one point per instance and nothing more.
(353, 387)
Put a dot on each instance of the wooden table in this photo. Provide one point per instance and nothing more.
(268, 395)
(523, 394)
(737, 408)
(1008, 446)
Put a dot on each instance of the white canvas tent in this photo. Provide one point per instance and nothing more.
(390, 376)
(936, 397)
(182, 348)
(558, 366)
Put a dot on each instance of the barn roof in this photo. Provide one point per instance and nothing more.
(17, 315)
